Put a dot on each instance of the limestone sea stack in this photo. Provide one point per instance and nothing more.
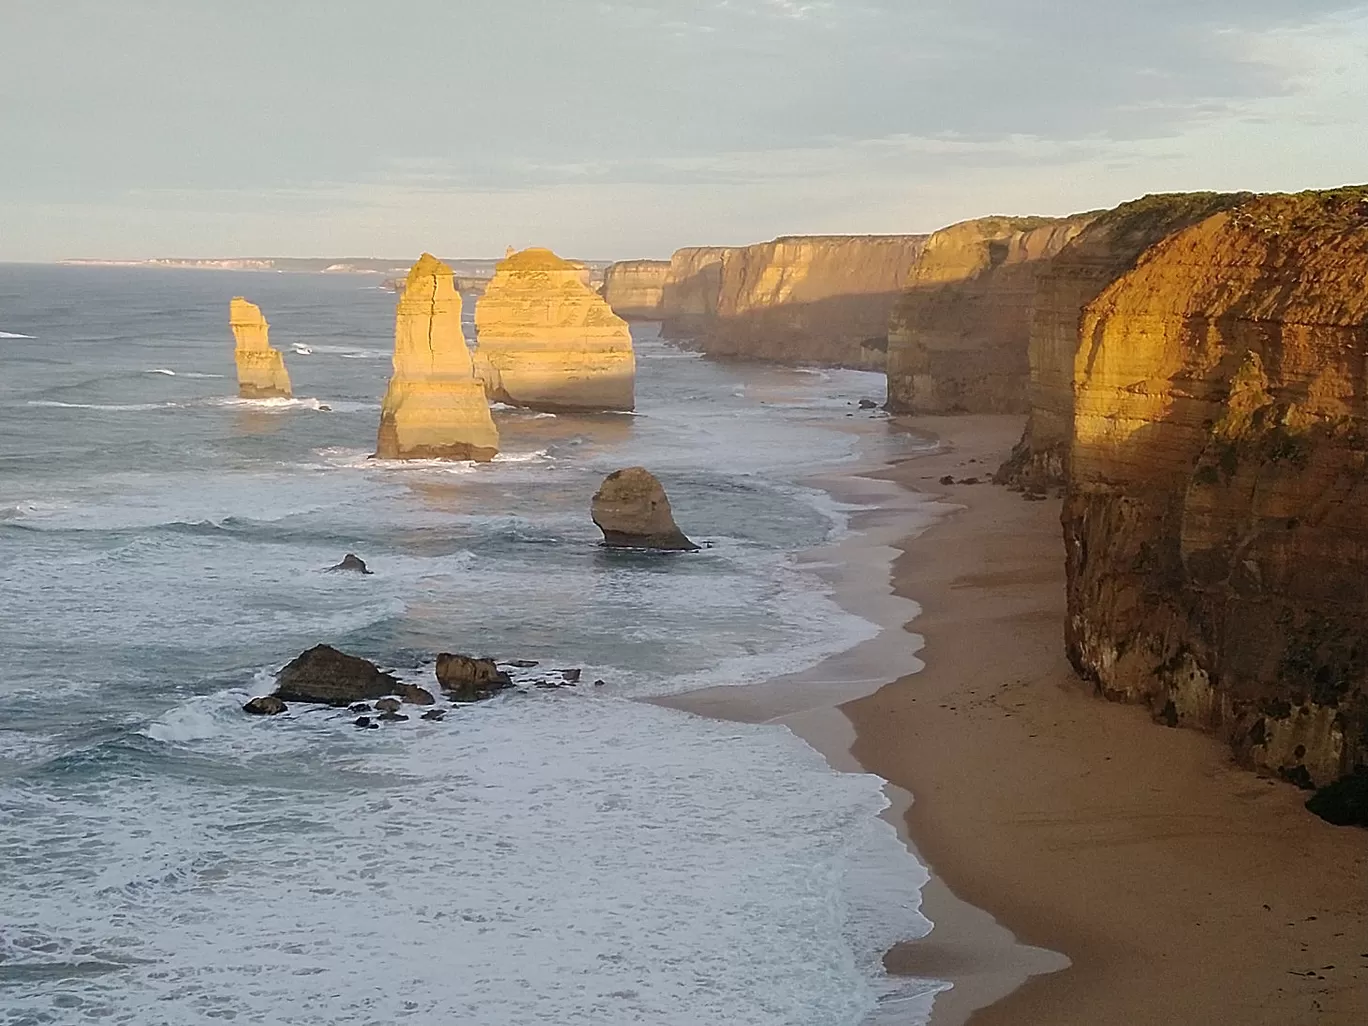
(547, 341)
(633, 512)
(1106, 249)
(434, 407)
(957, 338)
(1216, 520)
(635, 289)
(260, 369)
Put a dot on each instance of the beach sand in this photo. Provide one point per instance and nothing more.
(1182, 889)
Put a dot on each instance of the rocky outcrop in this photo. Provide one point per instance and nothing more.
(260, 369)
(547, 341)
(1216, 521)
(635, 289)
(957, 337)
(1106, 249)
(351, 563)
(434, 407)
(326, 676)
(468, 679)
(692, 290)
(633, 512)
(265, 705)
(823, 299)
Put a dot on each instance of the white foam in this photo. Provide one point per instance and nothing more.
(302, 350)
(278, 403)
(183, 374)
(13, 334)
(110, 407)
(161, 370)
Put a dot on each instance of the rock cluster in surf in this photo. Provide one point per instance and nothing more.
(260, 369)
(547, 341)
(434, 408)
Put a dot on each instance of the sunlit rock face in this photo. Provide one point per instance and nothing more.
(547, 341)
(260, 369)
(958, 335)
(1106, 249)
(1216, 520)
(434, 407)
(692, 291)
(635, 289)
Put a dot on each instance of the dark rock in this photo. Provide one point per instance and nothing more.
(387, 705)
(572, 676)
(328, 409)
(1345, 802)
(391, 717)
(522, 664)
(948, 479)
(868, 404)
(434, 714)
(266, 705)
(350, 562)
(360, 707)
(327, 676)
(1033, 496)
(468, 679)
(363, 722)
(969, 480)
(598, 683)
(414, 695)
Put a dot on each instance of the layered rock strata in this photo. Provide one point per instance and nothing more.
(547, 341)
(635, 289)
(260, 369)
(1216, 521)
(434, 407)
(1106, 249)
(633, 512)
(957, 338)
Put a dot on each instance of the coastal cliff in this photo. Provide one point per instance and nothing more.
(260, 369)
(1216, 521)
(434, 407)
(548, 341)
(1106, 249)
(635, 289)
(957, 337)
(693, 286)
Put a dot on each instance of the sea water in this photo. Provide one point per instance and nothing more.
(572, 856)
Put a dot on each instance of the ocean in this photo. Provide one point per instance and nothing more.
(572, 856)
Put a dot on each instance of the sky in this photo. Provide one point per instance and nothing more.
(627, 128)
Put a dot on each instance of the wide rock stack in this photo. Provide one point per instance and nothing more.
(434, 407)
(635, 289)
(1216, 522)
(1108, 248)
(260, 369)
(547, 341)
(957, 338)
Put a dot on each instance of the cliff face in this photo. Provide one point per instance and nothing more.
(434, 407)
(549, 341)
(260, 369)
(693, 286)
(1106, 249)
(635, 289)
(1216, 523)
(957, 337)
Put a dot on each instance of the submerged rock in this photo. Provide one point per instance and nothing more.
(391, 717)
(633, 512)
(387, 705)
(414, 695)
(434, 714)
(365, 723)
(266, 705)
(467, 679)
(433, 408)
(350, 562)
(260, 369)
(326, 676)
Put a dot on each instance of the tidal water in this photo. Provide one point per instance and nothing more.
(572, 857)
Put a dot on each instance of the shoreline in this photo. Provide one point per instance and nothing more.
(1147, 877)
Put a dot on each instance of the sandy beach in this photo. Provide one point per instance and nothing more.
(1088, 866)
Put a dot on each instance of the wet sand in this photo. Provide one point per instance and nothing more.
(1182, 889)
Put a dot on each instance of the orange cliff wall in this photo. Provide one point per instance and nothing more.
(1216, 521)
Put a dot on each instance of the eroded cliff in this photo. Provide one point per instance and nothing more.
(260, 369)
(1106, 249)
(546, 340)
(635, 289)
(692, 289)
(957, 337)
(1216, 521)
(434, 407)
